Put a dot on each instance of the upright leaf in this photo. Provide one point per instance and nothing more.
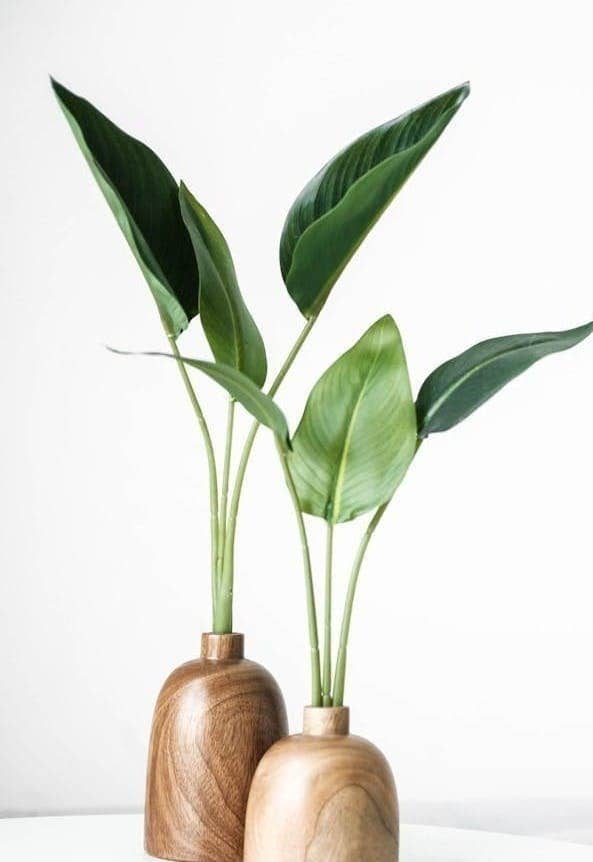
(230, 329)
(143, 197)
(357, 435)
(335, 211)
(458, 387)
(240, 387)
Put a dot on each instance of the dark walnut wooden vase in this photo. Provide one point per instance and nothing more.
(214, 719)
(322, 796)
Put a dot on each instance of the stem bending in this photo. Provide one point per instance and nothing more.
(316, 694)
(228, 564)
(213, 479)
(340, 674)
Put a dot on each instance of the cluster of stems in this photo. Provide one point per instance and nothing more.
(224, 505)
(327, 689)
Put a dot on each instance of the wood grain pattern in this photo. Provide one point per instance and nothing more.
(214, 719)
(322, 796)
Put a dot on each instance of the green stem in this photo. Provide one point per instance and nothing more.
(340, 674)
(228, 565)
(316, 696)
(327, 646)
(211, 466)
(225, 488)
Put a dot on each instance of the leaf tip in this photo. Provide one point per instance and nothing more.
(387, 319)
(56, 87)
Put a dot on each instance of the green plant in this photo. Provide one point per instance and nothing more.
(189, 269)
(361, 427)
(359, 433)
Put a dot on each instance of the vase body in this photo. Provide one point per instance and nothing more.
(322, 796)
(214, 719)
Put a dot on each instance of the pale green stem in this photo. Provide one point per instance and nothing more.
(327, 646)
(229, 549)
(211, 466)
(316, 696)
(225, 488)
(340, 674)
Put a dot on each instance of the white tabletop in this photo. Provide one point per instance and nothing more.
(118, 838)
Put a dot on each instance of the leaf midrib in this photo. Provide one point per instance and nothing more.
(227, 296)
(474, 370)
(345, 448)
(335, 274)
(234, 320)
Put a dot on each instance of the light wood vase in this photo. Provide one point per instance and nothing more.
(323, 796)
(214, 720)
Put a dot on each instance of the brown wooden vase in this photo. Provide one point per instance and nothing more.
(322, 796)
(214, 719)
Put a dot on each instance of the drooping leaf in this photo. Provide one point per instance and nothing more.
(357, 435)
(230, 329)
(239, 386)
(335, 211)
(143, 197)
(458, 387)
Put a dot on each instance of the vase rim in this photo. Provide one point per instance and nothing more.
(326, 721)
(222, 647)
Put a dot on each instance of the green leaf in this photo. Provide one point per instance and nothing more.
(239, 386)
(357, 436)
(230, 329)
(143, 197)
(336, 210)
(458, 387)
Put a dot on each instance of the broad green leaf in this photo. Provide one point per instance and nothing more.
(143, 197)
(336, 210)
(230, 329)
(357, 436)
(458, 387)
(239, 386)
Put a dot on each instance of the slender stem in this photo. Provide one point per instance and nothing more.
(224, 494)
(316, 696)
(340, 674)
(294, 352)
(327, 646)
(228, 565)
(211, 466)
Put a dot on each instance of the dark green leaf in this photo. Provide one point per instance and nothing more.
(143, 197)
(335, 211)
(239, 386)
(230, 329)
(357, 436)
(459, 386)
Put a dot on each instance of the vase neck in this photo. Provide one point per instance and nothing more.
(326, 721)
(222, 647)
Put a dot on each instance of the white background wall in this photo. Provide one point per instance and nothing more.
(472, 639)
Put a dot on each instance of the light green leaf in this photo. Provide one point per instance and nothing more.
(230, 329)
(336, 210)
(458, 387)
(357, 436)
(143, 197)
(239, 386)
